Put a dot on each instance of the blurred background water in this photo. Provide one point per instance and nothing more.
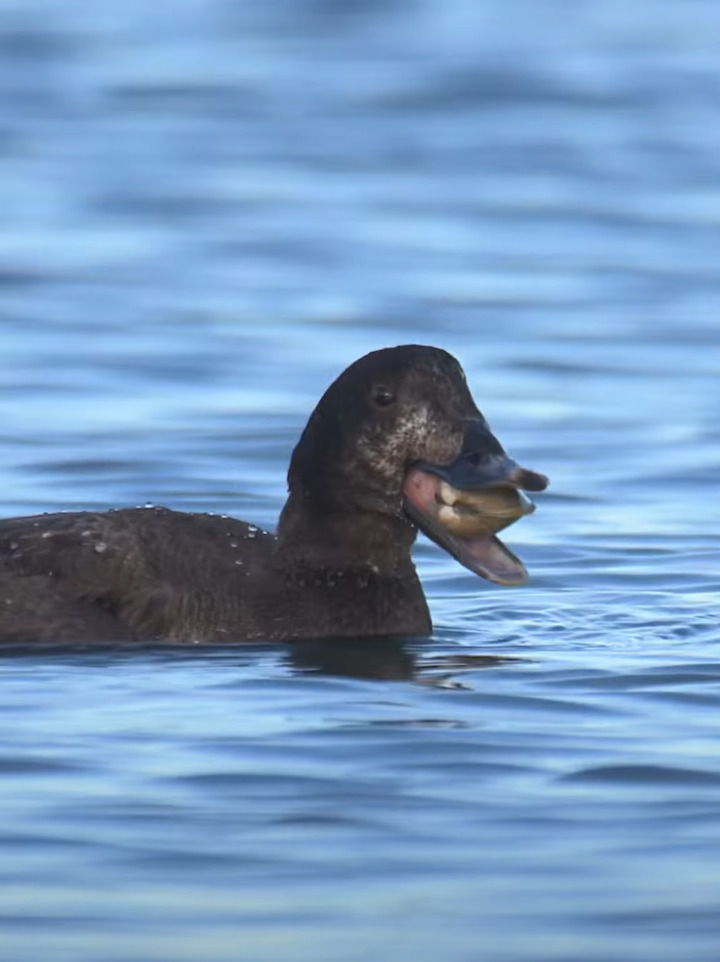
(209, 208)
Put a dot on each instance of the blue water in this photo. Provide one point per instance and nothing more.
(209, 208)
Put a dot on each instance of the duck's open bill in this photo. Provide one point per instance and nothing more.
(462, 506)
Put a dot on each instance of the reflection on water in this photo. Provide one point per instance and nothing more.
(380, 659)
(211, 208)
(386, 659)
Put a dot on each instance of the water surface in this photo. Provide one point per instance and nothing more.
(209, 209)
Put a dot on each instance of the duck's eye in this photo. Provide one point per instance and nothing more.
(383, 396)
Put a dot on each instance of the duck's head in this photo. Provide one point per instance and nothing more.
(398, 434)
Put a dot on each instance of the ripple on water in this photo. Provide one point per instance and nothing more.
(649, 776)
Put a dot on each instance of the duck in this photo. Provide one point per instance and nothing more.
(395, 445)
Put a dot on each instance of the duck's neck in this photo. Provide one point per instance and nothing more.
(316, 539)
(348, 574)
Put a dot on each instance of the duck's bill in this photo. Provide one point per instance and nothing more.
(462, 506)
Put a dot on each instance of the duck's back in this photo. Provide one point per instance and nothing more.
(139, 573)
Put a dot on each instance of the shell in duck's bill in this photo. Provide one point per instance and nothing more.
(469, 514)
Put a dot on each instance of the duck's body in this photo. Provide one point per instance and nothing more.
(340, 564)
(152, 573)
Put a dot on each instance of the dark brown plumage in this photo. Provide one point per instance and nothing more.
(340, 564)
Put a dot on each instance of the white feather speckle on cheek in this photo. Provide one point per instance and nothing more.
(418, 435)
